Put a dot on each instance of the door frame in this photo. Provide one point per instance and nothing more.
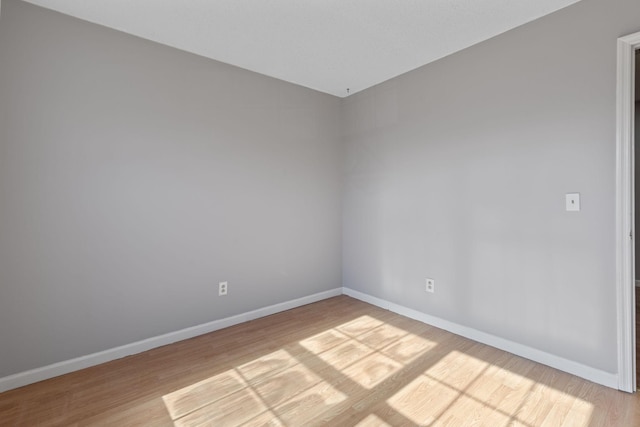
(625, 212)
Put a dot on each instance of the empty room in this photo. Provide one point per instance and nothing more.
(298, 213)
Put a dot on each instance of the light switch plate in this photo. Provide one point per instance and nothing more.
(573, 202)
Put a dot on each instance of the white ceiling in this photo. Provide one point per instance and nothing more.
(327, 45)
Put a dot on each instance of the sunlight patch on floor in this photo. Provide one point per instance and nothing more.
(450, 394)
(373, 420)
(302, 380)
(196, 396)
(341, 370)
(249, 392)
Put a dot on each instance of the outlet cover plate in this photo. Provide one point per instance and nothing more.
(222, 288)
(430, 285)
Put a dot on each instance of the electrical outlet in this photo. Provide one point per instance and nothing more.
(430, 285)
(222, 288)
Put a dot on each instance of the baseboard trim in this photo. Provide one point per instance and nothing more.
(67, 366)
(571, 367)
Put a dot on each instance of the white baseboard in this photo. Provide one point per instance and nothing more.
(61, 368)
(595, 375)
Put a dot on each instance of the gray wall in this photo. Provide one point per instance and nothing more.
(458, 171)
(134, 177)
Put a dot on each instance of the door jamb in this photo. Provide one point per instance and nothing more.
(625, 232)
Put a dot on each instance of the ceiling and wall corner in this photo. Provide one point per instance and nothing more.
(326, 45)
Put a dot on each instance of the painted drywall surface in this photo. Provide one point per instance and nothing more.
(458, 171)
(134, 177)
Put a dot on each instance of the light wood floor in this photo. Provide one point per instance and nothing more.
(339, 362)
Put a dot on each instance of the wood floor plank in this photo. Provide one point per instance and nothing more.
(338, 362)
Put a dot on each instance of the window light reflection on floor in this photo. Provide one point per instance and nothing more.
(363, 353)
(342, 370)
